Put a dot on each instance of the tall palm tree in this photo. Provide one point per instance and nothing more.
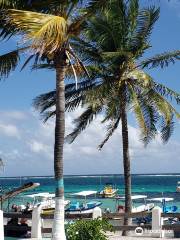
(115, 43)
(47, 30)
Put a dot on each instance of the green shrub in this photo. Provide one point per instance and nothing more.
(88, 230)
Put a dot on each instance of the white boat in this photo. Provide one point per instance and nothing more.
(75, 207)
(142, 208)
(163, 201)
(45, 199)
(178, 187)
(109, 191)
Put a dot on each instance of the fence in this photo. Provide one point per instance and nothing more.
(157, 226)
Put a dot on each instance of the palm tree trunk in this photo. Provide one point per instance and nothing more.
(126, 164)
(58, 223)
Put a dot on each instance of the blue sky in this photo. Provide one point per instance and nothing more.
(26, 145)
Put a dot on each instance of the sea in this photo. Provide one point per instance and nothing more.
(151, 185)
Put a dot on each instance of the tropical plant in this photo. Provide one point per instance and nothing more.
(115, 43)
(2, 165)
(46, 30)
(88, 230)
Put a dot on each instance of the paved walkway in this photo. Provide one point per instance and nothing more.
(118, 236)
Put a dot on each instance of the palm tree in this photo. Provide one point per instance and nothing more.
(46, 30)
(115, 43)
(2, 165)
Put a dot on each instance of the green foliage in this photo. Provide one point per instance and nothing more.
(9, 61)
(114, 53)
(44, 26)
(88, 230)
(162, 60)
(113, 42)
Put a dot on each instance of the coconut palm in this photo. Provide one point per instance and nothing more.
(2, 165)
(115, 43)
(47, 30)
(122, 84)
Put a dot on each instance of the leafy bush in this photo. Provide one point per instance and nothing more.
(88, 230)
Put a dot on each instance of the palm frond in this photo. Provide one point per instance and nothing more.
(9, 61)
(69, 71)
(7, 30)
(166, 92)
(22, 4)
(145, 22)
(162, 60)
(73, 69)
(27, 61)
(47, 32)
(163, 106)
(116, 55)
(48, 115)
(166, 111)
(75, 98)
(45, 6)
(77, 25)
(167, 129)
(78, 60)
(45, 101)
(110, 130)
(43, 66)
(73, 104)
(139, 114)
(101, 31)
(7, 3)
(133, 11)
(86, 50)
(93, 5)
(145, 114)
(82, 122)
(50, 6)
(83, 87)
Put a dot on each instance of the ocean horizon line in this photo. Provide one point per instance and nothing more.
(92, 175)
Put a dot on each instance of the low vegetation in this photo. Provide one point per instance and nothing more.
(88, 230)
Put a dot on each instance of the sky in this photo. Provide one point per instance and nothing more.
(26, 143)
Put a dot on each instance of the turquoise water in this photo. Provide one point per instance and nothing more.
(150, 185)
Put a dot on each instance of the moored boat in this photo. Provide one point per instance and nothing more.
(141, 208)
(75, 207)
(45, 199)
(109, 191)
(163, 201)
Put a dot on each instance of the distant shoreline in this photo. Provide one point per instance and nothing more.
(93, 175)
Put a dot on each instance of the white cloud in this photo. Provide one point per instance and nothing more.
(37, 146)
(88, 150)
(9, 130)
(85, 158)
(32, 154)
(17, 115)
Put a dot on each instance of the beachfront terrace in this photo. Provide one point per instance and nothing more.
(41, 224)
